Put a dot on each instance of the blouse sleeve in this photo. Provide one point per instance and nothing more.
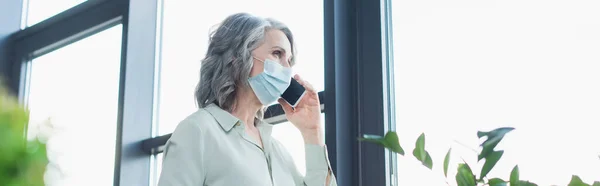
(183, 159)
(317, 167)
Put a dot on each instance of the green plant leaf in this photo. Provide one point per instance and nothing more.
(446, 162)
(493, 138)
(22, 162)
(421, 154)
(490, 162)
(576, 181)
(481, 134)
(596, 183)
(428, 161)
(496, 182)
(526, 183)
(390, 141)
(514, 176)
(419, 151)
(393, 143)
(464, 176)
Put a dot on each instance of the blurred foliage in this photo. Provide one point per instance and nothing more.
(465, 175)
(22, 162)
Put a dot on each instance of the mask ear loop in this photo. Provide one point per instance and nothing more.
(258, 59)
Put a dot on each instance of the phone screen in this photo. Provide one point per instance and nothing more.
(293, 93)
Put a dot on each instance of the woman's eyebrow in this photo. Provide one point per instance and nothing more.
(280, 48)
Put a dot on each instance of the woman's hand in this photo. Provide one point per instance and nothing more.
(307, 114)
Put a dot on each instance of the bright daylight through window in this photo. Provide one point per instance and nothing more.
(465, 66)
(73, 99)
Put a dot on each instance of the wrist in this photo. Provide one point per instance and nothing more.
(313, 136)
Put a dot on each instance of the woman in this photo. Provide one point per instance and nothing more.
(226, 143)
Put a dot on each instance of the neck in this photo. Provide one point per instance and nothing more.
(246, 106)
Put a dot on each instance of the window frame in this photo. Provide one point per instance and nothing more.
(357, 62)
(356, 47)
(138, 17)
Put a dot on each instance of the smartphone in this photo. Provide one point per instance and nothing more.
(294, 93)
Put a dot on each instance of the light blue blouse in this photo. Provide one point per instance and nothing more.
(210, 148)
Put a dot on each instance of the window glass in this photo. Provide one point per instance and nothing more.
(73, 99)
(465, 66)
(39, 10)
(156, 168)
(185, 32)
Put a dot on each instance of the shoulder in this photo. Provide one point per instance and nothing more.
(194, 124)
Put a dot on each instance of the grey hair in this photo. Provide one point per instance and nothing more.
(226, 67)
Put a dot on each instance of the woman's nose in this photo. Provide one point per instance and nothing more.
(284, 62)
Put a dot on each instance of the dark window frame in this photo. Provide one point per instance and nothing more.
(132, 167)
(356, 87)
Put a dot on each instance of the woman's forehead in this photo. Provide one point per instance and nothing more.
(276, 38)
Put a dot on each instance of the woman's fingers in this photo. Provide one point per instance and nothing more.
(309, 87)
(305, 84)
(299, 79)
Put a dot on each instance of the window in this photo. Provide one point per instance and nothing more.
(157, 168)
(466, 66)
(39, 10)
(186, 28)
(77, 88)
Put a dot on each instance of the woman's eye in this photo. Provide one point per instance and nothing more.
(277, 53)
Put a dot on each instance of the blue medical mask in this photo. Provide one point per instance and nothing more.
(272, 82)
